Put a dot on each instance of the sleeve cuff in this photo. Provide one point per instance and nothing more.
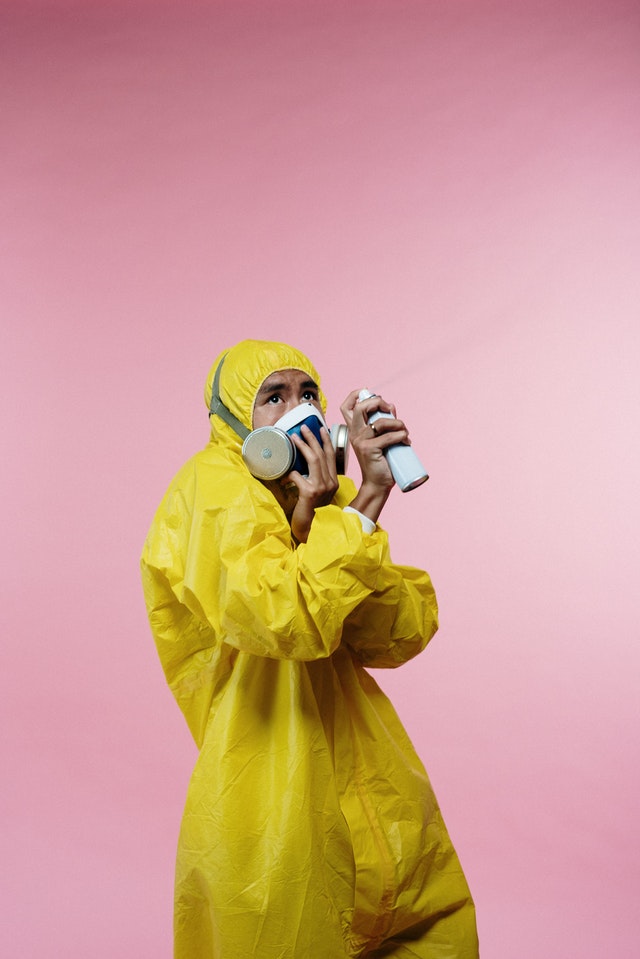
(368, 525)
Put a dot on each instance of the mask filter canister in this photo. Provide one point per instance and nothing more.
(269, 452)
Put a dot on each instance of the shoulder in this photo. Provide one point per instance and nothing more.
(213, 474)
(214, 483)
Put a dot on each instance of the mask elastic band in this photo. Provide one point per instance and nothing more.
(217, 407)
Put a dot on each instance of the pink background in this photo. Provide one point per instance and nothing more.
(437, 199)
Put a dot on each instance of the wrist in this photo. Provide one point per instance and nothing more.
(370, 500)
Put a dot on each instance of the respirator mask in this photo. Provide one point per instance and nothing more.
(269, 451)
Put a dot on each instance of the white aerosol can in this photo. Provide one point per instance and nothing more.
(406, 468)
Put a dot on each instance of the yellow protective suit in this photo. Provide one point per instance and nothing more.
(310, 829)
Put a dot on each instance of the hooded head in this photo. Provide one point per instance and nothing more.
(246, 366)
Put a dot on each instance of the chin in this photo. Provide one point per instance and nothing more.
(286, 493)
(288, 499)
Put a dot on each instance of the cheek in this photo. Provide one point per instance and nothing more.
(265, 415)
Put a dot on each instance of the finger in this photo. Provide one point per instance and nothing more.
(386, 424)
(348, 406)
(314, 455)
(322, 447)
(374, 404)
(330, 459)
(307, 454)
(294, 478)
(327, 445)
(387, 406)
(365, 409)
(393, 437)
(361, 413)
(351, 400)
(307, 442)
(326, 462)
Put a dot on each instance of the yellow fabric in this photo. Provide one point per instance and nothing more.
(310, 829)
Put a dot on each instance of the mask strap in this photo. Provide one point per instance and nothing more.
(217, 407)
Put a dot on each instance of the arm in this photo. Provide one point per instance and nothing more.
(396, 622)
(220, 555)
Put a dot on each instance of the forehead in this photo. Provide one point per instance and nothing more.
(286, 380)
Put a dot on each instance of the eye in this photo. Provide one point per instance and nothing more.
(309, 395)
(274, 398)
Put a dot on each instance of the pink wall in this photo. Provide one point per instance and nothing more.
(438, 199)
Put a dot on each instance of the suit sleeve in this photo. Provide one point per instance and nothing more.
(231, 574)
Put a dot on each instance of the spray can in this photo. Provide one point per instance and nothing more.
(406, 468)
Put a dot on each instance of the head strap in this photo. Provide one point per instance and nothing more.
(217, 407)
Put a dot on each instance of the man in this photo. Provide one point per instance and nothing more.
(310, 829)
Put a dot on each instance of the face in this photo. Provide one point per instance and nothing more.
(281, 392)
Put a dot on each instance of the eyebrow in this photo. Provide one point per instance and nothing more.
(276, 387)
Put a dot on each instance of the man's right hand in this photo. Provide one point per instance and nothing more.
(319, 487)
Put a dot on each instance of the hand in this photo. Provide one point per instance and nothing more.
(369, 443)
(319, 487)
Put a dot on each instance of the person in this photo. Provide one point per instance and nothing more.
(310, 829)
